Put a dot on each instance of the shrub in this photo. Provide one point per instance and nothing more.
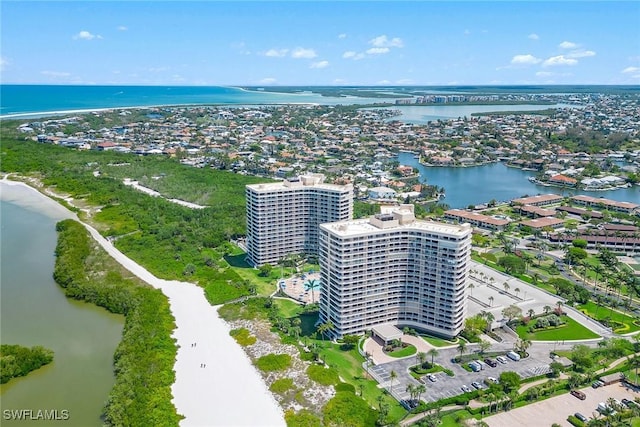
(345, 387)
(347, 409)
(322, 375)
(574, 421)
(281, 385)
(273, 362)
(243, 336)
(304, 418)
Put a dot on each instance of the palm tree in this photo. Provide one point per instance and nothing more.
(433, 353)
(421, 357)
(517, 291)
(411, 389)
(506, 287)
(531, 313)
(491, 301)
(471, 286)
(546, 309)
(462, 347)
(392, 376)
(419, 390)
(634, 363)
(325, 327)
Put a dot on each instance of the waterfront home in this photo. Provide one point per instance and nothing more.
(612, 205)
(540, 223)
(382, 193)
(539, 200)
(476, 219)
(563, 180)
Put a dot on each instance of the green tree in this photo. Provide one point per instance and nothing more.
(265, 270)
(509, 381)
(433, 353)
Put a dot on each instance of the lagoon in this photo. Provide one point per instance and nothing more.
(474, 185)
(35, 311)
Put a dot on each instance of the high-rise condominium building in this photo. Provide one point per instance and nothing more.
(394, 269)
(283, 217)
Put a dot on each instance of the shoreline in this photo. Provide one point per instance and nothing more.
(213, 396)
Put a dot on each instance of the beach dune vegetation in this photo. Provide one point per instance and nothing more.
(144, 359)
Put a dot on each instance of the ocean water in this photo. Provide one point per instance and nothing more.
(24, 100)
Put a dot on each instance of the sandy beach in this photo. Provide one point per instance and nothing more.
(216, 383)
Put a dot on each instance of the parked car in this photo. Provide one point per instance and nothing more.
(581, 417)
(475, 367)
(479, 363)
(597, 384)
(492, 380)
(629, 403)
(501, 359)
(466, 389)
(477, 385)
(580, 395)
(409, 404)
(491, 362)
(513, 356)
(432, 378)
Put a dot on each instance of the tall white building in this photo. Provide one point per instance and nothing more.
(394, 269)
(283, 217)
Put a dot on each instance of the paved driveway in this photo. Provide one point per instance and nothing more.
(557, 409)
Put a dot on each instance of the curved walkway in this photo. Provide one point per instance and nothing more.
(374, 348)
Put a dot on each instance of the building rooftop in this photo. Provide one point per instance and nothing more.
(394, 218)
(542, 198)
(315, 180)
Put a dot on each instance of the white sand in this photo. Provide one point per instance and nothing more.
(228, 391)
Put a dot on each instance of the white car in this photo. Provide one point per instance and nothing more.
(501, 359)
(432, 378)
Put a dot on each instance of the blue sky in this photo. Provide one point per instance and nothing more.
(320, 42)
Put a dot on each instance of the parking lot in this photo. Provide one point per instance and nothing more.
(557, 409)
(446, 386)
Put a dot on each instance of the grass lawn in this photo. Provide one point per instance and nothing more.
(287, 307)
(600, 313)
(404, 352)
(571, 331)
(438, 342)
(349, 367)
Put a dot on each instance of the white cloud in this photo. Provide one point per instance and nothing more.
(319, 64)
(405, 82)
(581, 54)
(352, 55)
(377, 50)
(527, 59)
(630, 70)
(55, 74)
(276, 53)
(303, 53)
(559, 60)
(544, 74)
(342, 36)
(567, 45)
(533, 36)
(383, 82)
(384, 41)
(122, 28)
(86, 35)
(339, 81)
(3, 63)
(268, 80)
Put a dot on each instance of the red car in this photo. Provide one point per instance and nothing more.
(580, 395)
